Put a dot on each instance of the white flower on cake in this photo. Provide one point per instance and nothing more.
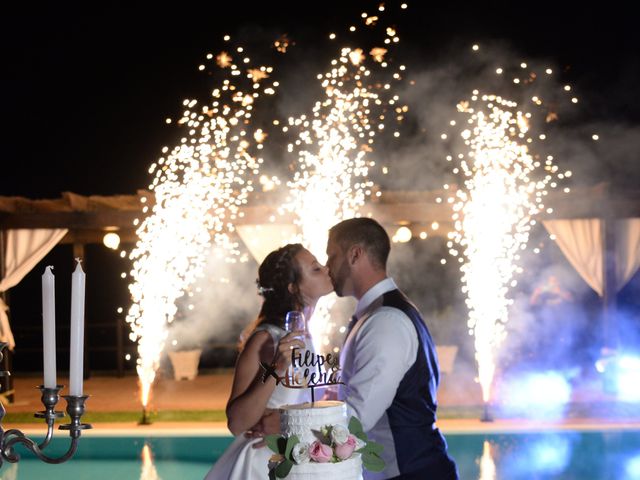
(300, 453)
(339, 434)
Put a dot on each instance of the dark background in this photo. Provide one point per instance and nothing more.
(86, 90)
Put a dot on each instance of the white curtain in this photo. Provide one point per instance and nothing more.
(581, 242)
(24, 249)
(627, 250)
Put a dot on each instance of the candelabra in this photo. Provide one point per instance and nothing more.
(50, 397)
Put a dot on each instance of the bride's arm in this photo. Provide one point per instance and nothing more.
(249, 395)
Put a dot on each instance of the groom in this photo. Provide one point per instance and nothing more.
(389, 360)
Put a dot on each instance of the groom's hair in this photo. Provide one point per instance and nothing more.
(366, 232)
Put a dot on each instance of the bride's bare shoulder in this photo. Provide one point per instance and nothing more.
(258, 343)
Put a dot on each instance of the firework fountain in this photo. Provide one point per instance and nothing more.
(504, 185)
(330, 182)
(199, 187)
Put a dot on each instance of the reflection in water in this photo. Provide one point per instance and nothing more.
(9, 471)
(148, 468)
(551, 454)
(487, 465)
(539, 456)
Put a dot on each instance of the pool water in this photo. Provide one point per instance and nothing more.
(566, 455)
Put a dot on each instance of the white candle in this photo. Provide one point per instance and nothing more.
(49, 328)
(77, 331)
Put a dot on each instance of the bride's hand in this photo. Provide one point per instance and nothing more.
(268, 424)
(282, 358)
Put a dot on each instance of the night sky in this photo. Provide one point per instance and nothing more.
(86, 91)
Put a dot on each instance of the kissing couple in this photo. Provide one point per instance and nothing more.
(389, 364)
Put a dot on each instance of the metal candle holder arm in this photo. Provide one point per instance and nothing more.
(50, 398)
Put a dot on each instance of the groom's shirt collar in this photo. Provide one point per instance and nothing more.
(379, 289)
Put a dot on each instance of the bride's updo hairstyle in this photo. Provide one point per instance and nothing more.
(277, 271)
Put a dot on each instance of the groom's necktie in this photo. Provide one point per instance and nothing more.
(350, 326)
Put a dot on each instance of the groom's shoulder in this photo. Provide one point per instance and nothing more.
(388, 317)
(387, 325)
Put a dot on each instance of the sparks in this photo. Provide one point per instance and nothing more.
(331, 176)
(492, 216)
(199, 187)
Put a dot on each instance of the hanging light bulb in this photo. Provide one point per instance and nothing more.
(403, 235)
(111, 240)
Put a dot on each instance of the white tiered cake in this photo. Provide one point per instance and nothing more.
(306, 421)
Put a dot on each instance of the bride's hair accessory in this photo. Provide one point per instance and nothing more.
(262, 290)
(278, 270)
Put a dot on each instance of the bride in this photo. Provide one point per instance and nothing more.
(289, 278)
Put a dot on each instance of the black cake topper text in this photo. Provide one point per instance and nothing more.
(307, 370)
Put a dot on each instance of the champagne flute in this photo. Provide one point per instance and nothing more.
(295, 321)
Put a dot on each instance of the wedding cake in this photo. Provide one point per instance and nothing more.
(326, 449)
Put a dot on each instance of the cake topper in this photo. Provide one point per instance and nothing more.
(307, 370)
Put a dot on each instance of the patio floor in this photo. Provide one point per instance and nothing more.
(210, 390)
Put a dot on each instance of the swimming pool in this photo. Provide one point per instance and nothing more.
(564, 454)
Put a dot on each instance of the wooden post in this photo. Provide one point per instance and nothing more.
(78, 252)
(120, 346)
(609, 286)
(6, 383)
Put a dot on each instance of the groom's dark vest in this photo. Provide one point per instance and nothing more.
(421, 450)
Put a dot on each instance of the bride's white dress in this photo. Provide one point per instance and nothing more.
(241, 461)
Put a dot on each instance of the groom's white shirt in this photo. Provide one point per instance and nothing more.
(379, 350)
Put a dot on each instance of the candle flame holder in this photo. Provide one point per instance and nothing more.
(50, 398)
(144, 420)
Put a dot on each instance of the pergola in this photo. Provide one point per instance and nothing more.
(89, 218)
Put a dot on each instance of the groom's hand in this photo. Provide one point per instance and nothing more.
(268, 424)
(331, 393)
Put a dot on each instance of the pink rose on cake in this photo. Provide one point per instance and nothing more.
(344, 450)
(319, 452)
